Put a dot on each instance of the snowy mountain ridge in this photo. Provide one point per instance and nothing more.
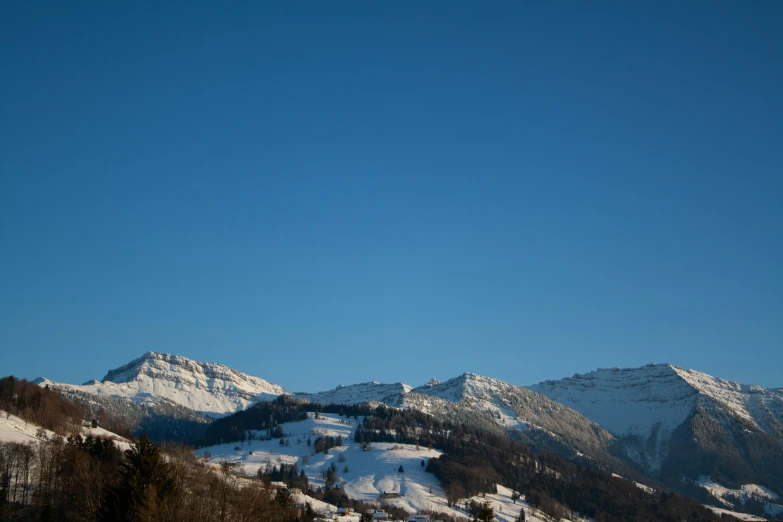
(213, 389)
(649, 401)
(759, 405)
(481, 401)
(480, 393)
(523, 414)
(390, 394)
(659, 397)
(208, 388)
(661, 409)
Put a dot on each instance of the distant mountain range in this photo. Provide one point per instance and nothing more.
(659, 421)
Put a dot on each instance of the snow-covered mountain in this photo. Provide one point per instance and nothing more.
(208, 388)
(652, 401)
(649, 402)
(526, 415)
(390, 394)
(676, 421)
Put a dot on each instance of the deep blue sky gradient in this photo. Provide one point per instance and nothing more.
(333, 192)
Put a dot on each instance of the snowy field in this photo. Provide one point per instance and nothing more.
(370, 473)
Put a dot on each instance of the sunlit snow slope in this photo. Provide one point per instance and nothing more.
(208, 388)
(369, 474)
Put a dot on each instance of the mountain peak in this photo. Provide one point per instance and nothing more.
(128, 371)
(359, 393)
(465, 386)
(650, 402)
(162, 365)
(209, 388)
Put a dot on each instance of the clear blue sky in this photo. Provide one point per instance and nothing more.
(332, 192)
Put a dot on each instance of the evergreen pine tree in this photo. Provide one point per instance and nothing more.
(486, 513)
(146, 483)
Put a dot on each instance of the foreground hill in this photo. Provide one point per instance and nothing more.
(358, 453)
(381, 473)
(363, 475)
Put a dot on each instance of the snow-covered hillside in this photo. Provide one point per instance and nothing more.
(729, 498)
(14, 429)
(208, 388)
(390, 394)
(369, 474)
